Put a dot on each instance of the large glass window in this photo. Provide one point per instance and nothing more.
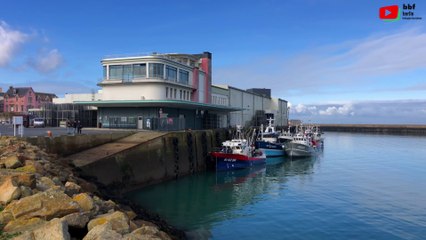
(104, 72)
(183, 76)
(127, 73)
(116, 72)
(139, 70)
(156, 70)
(171, 73)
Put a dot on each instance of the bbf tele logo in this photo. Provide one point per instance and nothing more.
(389, 13)
(393, 13)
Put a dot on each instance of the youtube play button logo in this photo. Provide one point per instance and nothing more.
(389, 12)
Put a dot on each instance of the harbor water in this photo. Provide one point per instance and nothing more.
(361, 186)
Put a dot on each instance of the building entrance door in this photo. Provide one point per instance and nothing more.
(140, 122)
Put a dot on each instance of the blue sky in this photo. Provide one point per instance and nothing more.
(334, 61)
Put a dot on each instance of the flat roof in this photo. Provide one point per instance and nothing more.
(160, 103)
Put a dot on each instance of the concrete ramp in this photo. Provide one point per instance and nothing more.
(92, 155)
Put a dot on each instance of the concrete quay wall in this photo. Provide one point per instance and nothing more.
(171, 156)
(376, 128)
(65, 145)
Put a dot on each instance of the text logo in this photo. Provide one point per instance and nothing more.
(389, 13)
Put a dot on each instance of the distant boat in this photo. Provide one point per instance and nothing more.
(267, 141)
(315, 135)
(238, 153)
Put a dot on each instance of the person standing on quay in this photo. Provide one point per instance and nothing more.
(69, 126)
(79, 127)
(74, 125)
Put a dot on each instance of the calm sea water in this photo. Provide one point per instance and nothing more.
(361, 186)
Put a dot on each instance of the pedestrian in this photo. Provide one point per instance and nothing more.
(74, 125)
(69, 126)
(79, 127)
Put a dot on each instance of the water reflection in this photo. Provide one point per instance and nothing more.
(197, 202)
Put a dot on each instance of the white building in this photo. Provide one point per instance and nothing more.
(173, 92)
(158, 91)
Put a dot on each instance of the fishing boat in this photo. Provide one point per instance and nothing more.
(238, 153)
(285, 137)
(317, 135)
(267, 141)
(300, 146)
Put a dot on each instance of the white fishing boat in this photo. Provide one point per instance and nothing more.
(285, 137)
(300, 146)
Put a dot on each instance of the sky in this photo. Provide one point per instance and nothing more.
(333, 61)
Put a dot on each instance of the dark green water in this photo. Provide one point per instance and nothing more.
(361, 187)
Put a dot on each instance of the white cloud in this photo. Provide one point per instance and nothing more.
(391, 112)
(47, 61)
(304, 109)
(337, 68)
(10, 40)
(346, 109)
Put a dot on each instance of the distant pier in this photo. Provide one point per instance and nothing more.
(376, 128)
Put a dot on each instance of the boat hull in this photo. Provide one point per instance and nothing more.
(299, 150)
(270, 149)
(230, 161)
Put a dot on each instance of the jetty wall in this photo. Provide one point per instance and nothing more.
(375, 128)
(171, 156)
(147, 162)
(65, 145)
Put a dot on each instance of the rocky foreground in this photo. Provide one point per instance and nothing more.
(42, 197)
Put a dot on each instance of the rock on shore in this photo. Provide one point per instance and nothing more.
(42, 198)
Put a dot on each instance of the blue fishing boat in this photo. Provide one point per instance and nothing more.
(267, 141)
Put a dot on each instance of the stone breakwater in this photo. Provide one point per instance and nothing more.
(42, 197)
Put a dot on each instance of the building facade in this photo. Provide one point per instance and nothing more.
(256, 105)
(158, 91)
(20, 100)
(1, 100)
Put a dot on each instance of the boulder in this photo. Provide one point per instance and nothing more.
(131, 214)
(163, 236)
(36, 165)
(72, 188)
(102, 232)
(147, 232)
(24, 236)
(57, 181)
(45, 183)
(25, 191)
(46, 205)
(9, 190)
(56, 229)
(85, 201)
(25, 179)
(22, 225)
(21, 178)
(142, 223)
(12, 162)
(77, 220)
(27, 168)
(118, 220)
